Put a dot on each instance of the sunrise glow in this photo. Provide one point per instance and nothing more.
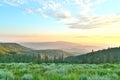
(93, 22)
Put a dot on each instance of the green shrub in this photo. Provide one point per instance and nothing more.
(27, 77)
(112, 76)
(83, 77)
(6, 75)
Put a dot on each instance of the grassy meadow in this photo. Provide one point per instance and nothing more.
(60, 71)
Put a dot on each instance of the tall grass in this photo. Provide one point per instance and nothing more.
(29, 71)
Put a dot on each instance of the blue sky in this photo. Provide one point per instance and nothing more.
(15, 20)
(56, 20)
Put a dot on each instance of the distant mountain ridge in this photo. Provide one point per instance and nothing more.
(49, 45)
(65, 46)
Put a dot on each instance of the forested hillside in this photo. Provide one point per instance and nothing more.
(13, 52)
(110, 55)
(49, 52)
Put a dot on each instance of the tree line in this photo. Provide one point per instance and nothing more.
(110, 55)
(25, 58)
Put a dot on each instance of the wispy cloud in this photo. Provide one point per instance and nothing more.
(84, 18)
(48, 8)
(14, 2)
(28, 10)
(87, 5)
(90, 22)
(65, 17)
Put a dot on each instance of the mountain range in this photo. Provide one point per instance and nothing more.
(6, 48)
(75, 48)
(109, 55)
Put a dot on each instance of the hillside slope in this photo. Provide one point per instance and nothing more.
(12, 47)
(6, 48)
(109, 55)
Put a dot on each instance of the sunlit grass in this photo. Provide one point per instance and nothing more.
(51, 71)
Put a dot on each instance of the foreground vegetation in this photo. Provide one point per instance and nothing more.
(52, 71)
(15, 64)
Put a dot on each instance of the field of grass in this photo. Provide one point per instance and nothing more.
(51, 71)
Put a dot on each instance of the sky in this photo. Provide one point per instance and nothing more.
(93, 22)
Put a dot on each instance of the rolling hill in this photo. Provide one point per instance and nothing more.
(110, 55)
(6, 48)
(12, 47)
